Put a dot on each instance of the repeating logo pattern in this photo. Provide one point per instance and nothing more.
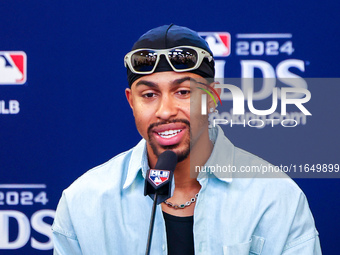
(219, 42)
(13, 67)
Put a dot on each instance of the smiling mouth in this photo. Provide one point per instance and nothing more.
(169, 133)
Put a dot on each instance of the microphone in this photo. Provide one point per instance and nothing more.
(158, 181)
(158, 186)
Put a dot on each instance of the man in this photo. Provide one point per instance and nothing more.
(105, 212)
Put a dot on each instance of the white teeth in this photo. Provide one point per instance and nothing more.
(169, 133)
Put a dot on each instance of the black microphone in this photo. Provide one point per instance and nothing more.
(158, 185)
(159, 179)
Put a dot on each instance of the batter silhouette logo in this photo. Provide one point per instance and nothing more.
(159, 176)
(13, 67)
(219, 42)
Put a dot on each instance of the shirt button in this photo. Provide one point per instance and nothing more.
(163, 247)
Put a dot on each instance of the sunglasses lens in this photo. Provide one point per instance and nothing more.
(143, 60)
(183, 58)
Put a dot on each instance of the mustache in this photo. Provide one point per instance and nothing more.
(168, 122)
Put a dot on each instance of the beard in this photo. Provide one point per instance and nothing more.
(181, 155)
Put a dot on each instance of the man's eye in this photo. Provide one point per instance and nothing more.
(184, 92)
(148, 95)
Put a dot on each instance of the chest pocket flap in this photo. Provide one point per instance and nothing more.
(253, 246)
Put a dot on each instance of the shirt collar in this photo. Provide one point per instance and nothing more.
(222, 155)
(138, 161)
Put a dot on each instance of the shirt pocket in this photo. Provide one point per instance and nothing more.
(253, 246)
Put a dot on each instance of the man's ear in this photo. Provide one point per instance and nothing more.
(128, 94)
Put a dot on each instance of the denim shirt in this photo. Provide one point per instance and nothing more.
(105, 211)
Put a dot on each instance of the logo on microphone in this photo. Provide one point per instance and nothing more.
(13, 67)
(159, 176)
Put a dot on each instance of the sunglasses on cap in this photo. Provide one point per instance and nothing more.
(181, 59)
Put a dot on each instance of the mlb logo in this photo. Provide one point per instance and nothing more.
(159, 176)
(13, 66)
(219, 42)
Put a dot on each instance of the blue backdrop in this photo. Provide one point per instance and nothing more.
(71, 113)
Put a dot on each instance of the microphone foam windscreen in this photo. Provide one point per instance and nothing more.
(167, 161)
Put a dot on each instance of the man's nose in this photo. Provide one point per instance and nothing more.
(167, 108)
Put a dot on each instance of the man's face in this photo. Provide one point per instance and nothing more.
(161, 107)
